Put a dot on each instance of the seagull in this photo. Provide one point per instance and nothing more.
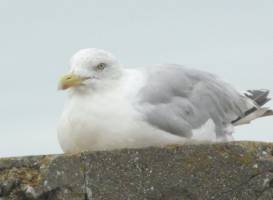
(110, 106)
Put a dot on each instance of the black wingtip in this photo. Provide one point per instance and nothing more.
(259, 96)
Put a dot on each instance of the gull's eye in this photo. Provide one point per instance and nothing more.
(100, 66)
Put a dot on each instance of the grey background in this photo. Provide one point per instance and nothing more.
(230, 38)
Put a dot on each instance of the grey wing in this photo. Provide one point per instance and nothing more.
(177, 100)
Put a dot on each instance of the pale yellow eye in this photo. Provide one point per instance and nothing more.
(100, 66)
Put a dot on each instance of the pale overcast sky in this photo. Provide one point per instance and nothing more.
(232, 39)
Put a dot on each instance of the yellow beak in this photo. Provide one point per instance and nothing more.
(70, 80)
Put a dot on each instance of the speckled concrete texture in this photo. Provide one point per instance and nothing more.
(237, 170)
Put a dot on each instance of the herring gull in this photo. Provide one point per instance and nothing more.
(110, 106)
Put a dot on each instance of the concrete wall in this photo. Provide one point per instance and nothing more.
(239, 170)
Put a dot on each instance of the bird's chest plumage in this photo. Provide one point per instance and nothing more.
(101, 111)
(95, 119)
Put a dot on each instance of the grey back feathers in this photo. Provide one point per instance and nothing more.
(177, 99)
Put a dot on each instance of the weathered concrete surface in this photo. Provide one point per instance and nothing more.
(239, 170)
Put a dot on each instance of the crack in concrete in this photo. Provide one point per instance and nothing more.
(239, 186)
(262, 192)
(270, 186)
(87, 195)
